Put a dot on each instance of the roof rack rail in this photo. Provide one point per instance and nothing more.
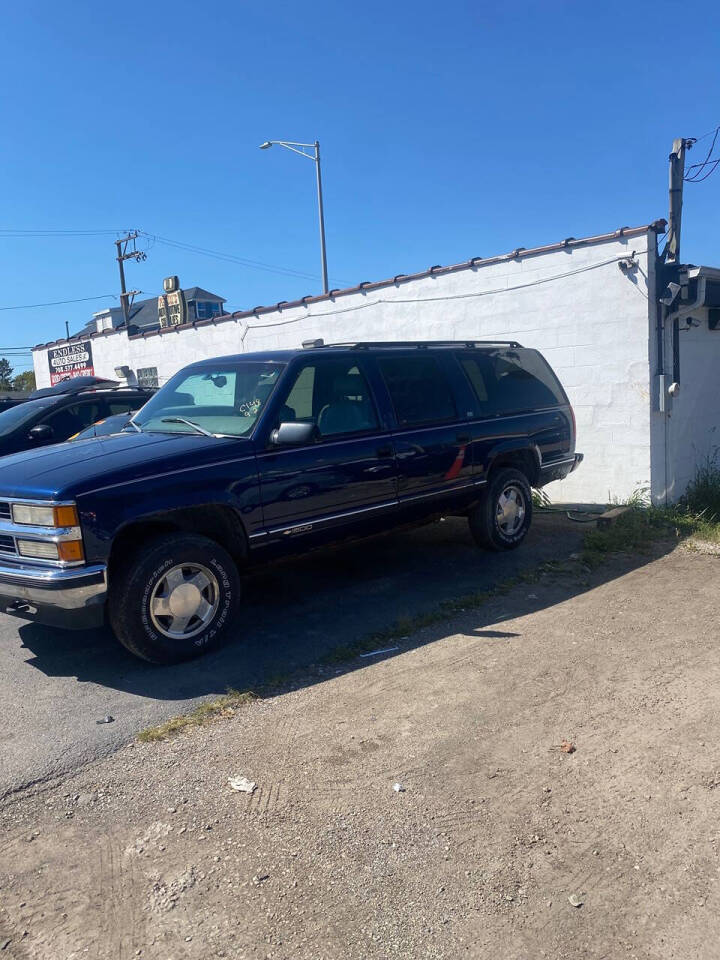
(419, 344)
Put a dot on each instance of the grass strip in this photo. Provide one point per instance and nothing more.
(224, 706)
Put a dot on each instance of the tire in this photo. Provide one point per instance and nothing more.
(494, 528)
(175, 599)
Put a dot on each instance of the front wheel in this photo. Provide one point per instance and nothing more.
(502, 518)
(176, 598)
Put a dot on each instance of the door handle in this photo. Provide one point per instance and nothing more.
(384, 452)
(463, 438)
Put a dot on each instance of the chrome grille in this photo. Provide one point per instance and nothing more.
(4, 510)
(7, 544)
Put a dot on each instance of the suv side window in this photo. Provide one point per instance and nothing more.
(334, 395)
(122, 406)
(72, 419)
(511, 382)
(419, 390)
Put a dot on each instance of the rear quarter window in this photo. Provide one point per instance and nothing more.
(512, 381)
(419, 390)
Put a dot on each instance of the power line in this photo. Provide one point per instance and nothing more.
(229, 257)
(14, 234)
(705, 135)
(700, 167)
(57, 303)
(696, 179)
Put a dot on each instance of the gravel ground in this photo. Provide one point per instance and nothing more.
(495, 831)
(55, 684)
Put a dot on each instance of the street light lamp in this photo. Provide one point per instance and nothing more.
(301, 148)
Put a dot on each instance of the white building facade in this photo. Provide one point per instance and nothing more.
(590, 305)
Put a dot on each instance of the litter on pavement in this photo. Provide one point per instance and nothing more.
(376, 653)
(242, 784)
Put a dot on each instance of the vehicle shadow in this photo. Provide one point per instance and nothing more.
(298, 612)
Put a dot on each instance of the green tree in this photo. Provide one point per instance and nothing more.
(5, 374)
(25, 381)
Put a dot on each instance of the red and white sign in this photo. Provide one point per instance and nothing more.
(72, 360)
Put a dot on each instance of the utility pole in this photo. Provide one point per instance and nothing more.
(677, 175)
(124, 254)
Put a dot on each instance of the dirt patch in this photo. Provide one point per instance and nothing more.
(499, 842)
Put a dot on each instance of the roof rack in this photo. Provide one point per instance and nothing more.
(419, 344)
(72, 386)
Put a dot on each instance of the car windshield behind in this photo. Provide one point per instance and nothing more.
(223, 400)
(23, 413)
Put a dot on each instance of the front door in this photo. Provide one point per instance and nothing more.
(348, 473)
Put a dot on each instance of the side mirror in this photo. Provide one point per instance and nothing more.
(41, 433)
(293, 434)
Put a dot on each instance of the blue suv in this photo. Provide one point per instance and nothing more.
(242, 459)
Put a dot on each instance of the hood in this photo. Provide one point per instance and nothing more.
(67, 470)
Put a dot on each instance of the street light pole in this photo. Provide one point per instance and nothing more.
(323, 252)
(315, 157)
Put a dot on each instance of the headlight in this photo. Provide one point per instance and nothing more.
(69, 551)
(38, 548)
(32, 515)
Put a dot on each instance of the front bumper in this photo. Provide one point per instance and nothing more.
(72, 598)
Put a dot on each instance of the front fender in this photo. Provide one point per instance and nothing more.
(104, 513)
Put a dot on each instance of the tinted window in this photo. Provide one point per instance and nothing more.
(418, 389)
(113, 407)
(23, 413)
(512, 381)
(70, 420)
(332, 394)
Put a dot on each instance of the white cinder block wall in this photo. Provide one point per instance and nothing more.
(591, 320)
(693, 421)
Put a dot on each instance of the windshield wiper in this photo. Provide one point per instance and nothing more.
(131, 423)
(189, 423)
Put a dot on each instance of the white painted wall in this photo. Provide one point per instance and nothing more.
(694, 414)
(590, 320)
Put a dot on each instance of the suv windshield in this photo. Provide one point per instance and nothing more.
(24, 412)
(223, 400)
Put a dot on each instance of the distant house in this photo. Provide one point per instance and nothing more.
(144, 314)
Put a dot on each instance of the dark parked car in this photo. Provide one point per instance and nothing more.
(55, 414)
(240, 459)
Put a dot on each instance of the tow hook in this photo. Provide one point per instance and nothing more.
(20, 606)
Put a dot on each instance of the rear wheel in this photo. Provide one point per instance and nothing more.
(502, 519)
(175, 599)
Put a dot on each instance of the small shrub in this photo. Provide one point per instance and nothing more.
(702, 496)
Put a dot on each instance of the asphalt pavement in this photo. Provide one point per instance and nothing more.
(56, 685)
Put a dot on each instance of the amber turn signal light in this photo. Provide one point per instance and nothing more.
(66, 516)
(70, 550)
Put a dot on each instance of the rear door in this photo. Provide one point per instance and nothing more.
(519, 403)
(348, 472)
(430, 435)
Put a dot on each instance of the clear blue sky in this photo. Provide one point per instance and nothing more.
(448, 131)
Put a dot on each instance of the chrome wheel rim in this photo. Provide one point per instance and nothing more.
(184, 601)
(510, 511)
